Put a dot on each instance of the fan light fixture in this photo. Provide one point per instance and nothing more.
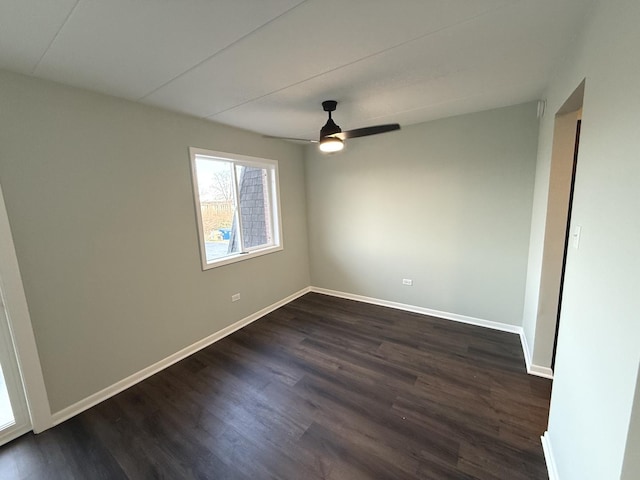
(331, 144)
(332, 137)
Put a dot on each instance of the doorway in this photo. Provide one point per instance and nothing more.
(21, 371)
(562, 175)
(566, 238)
(14, 414)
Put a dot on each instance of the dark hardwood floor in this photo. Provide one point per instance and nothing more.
(322, 388)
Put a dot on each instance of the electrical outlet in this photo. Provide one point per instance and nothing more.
(407, 281)
(235, 298)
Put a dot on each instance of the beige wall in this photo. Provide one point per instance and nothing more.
(99, 197)
(444, 203)
(598, 350)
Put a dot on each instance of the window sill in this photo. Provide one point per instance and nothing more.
(239, 257)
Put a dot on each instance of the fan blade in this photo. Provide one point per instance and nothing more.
(363, 132)
(305, 140)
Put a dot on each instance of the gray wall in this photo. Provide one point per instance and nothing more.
(99, 197)
(598, 348)
(445, 203)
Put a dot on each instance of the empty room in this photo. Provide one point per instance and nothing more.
(314, 239)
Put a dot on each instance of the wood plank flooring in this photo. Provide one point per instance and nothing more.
(322, 388)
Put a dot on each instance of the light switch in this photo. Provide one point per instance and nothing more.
(575, 236)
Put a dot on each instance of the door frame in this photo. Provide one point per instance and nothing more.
(13, 383)
(555, 227)
(19, 323)
(566, 238)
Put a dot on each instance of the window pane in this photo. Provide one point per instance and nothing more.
(217, 206)
(255, 218)
(237, 206)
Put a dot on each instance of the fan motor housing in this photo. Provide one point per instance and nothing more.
(329, 128)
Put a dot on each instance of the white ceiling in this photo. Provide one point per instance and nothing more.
(265, 65)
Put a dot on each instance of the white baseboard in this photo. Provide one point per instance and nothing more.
(504, 327)
(131, 380)
(552, 470)
(539, 371)
(525, 350)
(533, 369)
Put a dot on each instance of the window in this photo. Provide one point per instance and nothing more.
(237, 206)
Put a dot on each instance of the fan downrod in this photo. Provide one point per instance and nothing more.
(330, 128)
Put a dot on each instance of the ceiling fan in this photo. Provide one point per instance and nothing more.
(332, 137)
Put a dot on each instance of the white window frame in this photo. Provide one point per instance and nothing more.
(274, 201)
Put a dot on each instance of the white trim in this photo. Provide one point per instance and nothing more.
(539, 371)
(552, 469)
(13, 433)
(525, 350)
(274, 201)
(504, 327)
(131, 380)
(533, 369)
(19, 321)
